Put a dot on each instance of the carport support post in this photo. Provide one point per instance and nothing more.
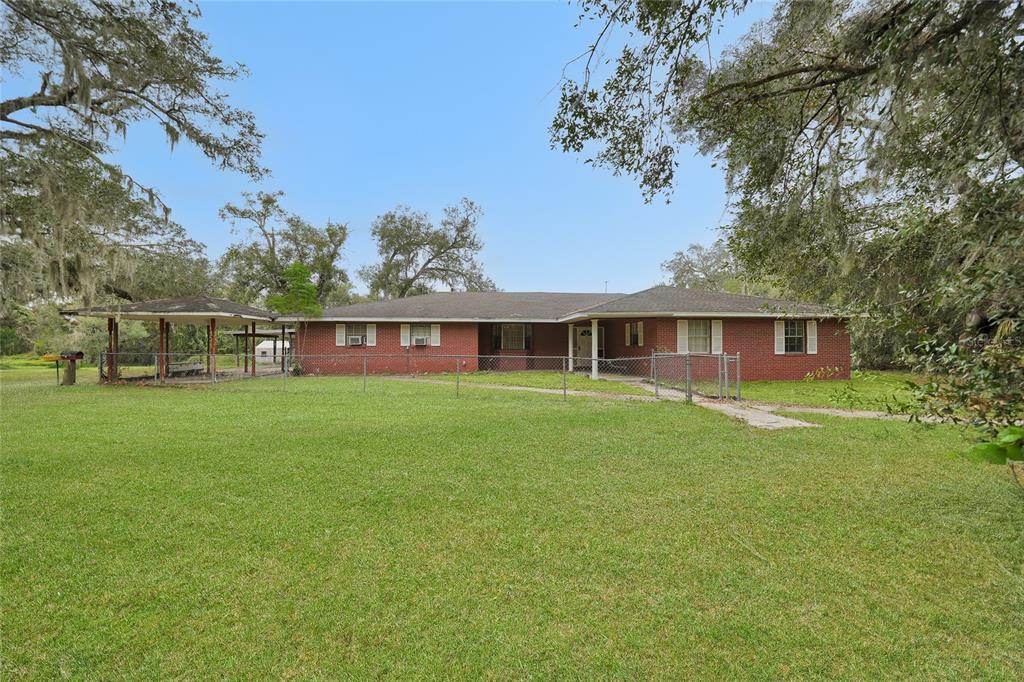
(110, 349)
(593, 349)
(245, 349)
(284, 347)
(117, 348)
(254, 348)
(161, 363)
(208, 350)
(213, 349)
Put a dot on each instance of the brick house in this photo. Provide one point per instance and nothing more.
(504, 331)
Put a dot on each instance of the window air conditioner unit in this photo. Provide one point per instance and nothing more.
(420, 341)
(355, 340)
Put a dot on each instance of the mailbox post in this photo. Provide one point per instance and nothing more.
(70, 359)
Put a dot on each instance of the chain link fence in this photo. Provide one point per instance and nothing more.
(657, 374)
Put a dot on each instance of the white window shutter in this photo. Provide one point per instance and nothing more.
(371, 335)
(339, 335)
(780, 337)
(628, 325)
(435, 335)
(682, 336)
(640, 333)
(404, 335)
(812, 337)
(716, 337)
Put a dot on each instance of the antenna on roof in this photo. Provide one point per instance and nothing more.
(606, 286)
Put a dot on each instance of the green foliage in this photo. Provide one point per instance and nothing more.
(1008, 445)
(712, 268)
(254, 269)
(300, 296)
(70, 217)
(416, 256)
(874, 152)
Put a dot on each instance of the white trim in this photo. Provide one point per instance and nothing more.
(594, 347)
(682, 336)
(780, 337)
(371, 334)
(403, 335)
(716, 337)
(640, 333)
(811, 331)
(339, 335)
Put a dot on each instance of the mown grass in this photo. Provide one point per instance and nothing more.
(865, 390)
(545, 379)
(248, 531)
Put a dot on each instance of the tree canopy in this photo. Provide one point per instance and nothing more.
(254, 269)
(299, 295)
(874, 154)
(70, 213)
(416, 256)
(712, 268)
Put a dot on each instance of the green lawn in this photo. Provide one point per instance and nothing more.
(545, 379)
(865, 390)
(248, 531)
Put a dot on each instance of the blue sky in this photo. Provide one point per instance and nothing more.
(366, 106)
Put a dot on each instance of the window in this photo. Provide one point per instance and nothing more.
(512, 336)
(635, 333)
(794, 336)
(418, 330)
(356, 330)
(699, 336)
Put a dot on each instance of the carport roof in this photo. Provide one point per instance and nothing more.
(189, 309)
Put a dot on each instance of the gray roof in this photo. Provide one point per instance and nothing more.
(680, 301)
(541, 306)
(473, 305)
(189, 306)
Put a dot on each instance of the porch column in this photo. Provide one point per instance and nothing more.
(245, 348)
(253, 349)
(572, 330)
(208, 349)
(274, 355)
(110, 349)
(213, 346)
(593, 349)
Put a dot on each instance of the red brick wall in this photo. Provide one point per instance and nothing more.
(754, 339)
(315, 340)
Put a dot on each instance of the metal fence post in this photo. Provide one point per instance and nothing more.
(287, 369)
(737, 375)
(725, 367)
(565, 387)
(689, 378)
(364, 373)
(654, 372)
(458, 376)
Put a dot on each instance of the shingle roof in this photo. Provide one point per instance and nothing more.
(189, 306)
(677, 300)
(548, 306)
(475, 305)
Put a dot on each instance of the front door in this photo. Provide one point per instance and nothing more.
(585, 343)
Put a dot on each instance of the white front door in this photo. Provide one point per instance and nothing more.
(583, 343)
